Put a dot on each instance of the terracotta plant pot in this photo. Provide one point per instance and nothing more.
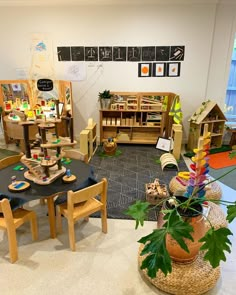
(197, 221)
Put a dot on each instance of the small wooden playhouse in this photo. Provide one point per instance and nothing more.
(208, 113)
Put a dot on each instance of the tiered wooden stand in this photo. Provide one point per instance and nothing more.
(44, 163)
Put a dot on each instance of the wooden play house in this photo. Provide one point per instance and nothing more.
(208, 113)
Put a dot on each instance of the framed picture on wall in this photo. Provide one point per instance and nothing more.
(63, 53)
(134, 54)
(173, 69)
(159, 69)
(148, 53)
(162, 53)
(77, 53)
(105, 53)
(177, 53)
(144, 69)
(119, 53)
(91, 53)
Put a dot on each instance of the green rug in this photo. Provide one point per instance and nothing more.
(6, 153)
(102, 154)
(228, 180)
(223, 148)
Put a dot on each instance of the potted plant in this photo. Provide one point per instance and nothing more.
(105, 99)
(177, 227)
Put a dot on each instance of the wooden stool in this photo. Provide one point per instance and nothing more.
(193, 278)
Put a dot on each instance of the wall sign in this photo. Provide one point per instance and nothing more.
(44, 85)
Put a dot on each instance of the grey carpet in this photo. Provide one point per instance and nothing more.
(128, 173)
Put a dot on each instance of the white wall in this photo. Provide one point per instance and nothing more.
(189, 25)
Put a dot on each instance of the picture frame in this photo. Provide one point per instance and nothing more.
(148, 53)
(77, 53)
(134, 53)
(64, 53)
(177, 53)
(173, 69)
(91, 53)
(162, 53)
(119, 53)
(144, 69)
(163, 144)
(105, 53)
(159, 69)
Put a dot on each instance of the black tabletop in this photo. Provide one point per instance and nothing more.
(82, 171)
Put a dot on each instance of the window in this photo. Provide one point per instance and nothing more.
(230, 101)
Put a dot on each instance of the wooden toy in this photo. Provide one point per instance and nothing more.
(176, 135)
(168, 159)
(45, 165)
(156, 192)
(19, 186)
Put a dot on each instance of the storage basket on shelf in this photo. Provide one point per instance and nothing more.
(156, 192)
(110, 147)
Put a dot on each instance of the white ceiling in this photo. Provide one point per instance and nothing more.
(107, 2)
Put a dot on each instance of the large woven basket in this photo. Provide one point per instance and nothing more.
(109, 150)
(214, 193)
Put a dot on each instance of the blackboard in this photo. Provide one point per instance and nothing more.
(45, 85)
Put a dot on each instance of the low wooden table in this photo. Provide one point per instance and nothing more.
(35, 191)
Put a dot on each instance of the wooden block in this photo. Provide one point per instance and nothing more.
(84, 140)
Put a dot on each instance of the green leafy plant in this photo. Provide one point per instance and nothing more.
(214, 243)
(105, 94)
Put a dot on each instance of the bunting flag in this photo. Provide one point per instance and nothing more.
(176, 110)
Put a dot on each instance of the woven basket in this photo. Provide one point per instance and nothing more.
(109, 150)
(213, 193)
(194, 278)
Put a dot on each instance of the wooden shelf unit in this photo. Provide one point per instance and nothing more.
(137, 117)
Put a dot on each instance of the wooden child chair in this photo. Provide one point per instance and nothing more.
(81, 204)
(11, 220)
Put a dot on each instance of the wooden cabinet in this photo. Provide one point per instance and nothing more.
(137, 118)
(209, 113)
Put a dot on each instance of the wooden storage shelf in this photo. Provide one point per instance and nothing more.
(133, 124)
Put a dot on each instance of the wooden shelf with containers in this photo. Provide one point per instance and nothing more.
(137, 118)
